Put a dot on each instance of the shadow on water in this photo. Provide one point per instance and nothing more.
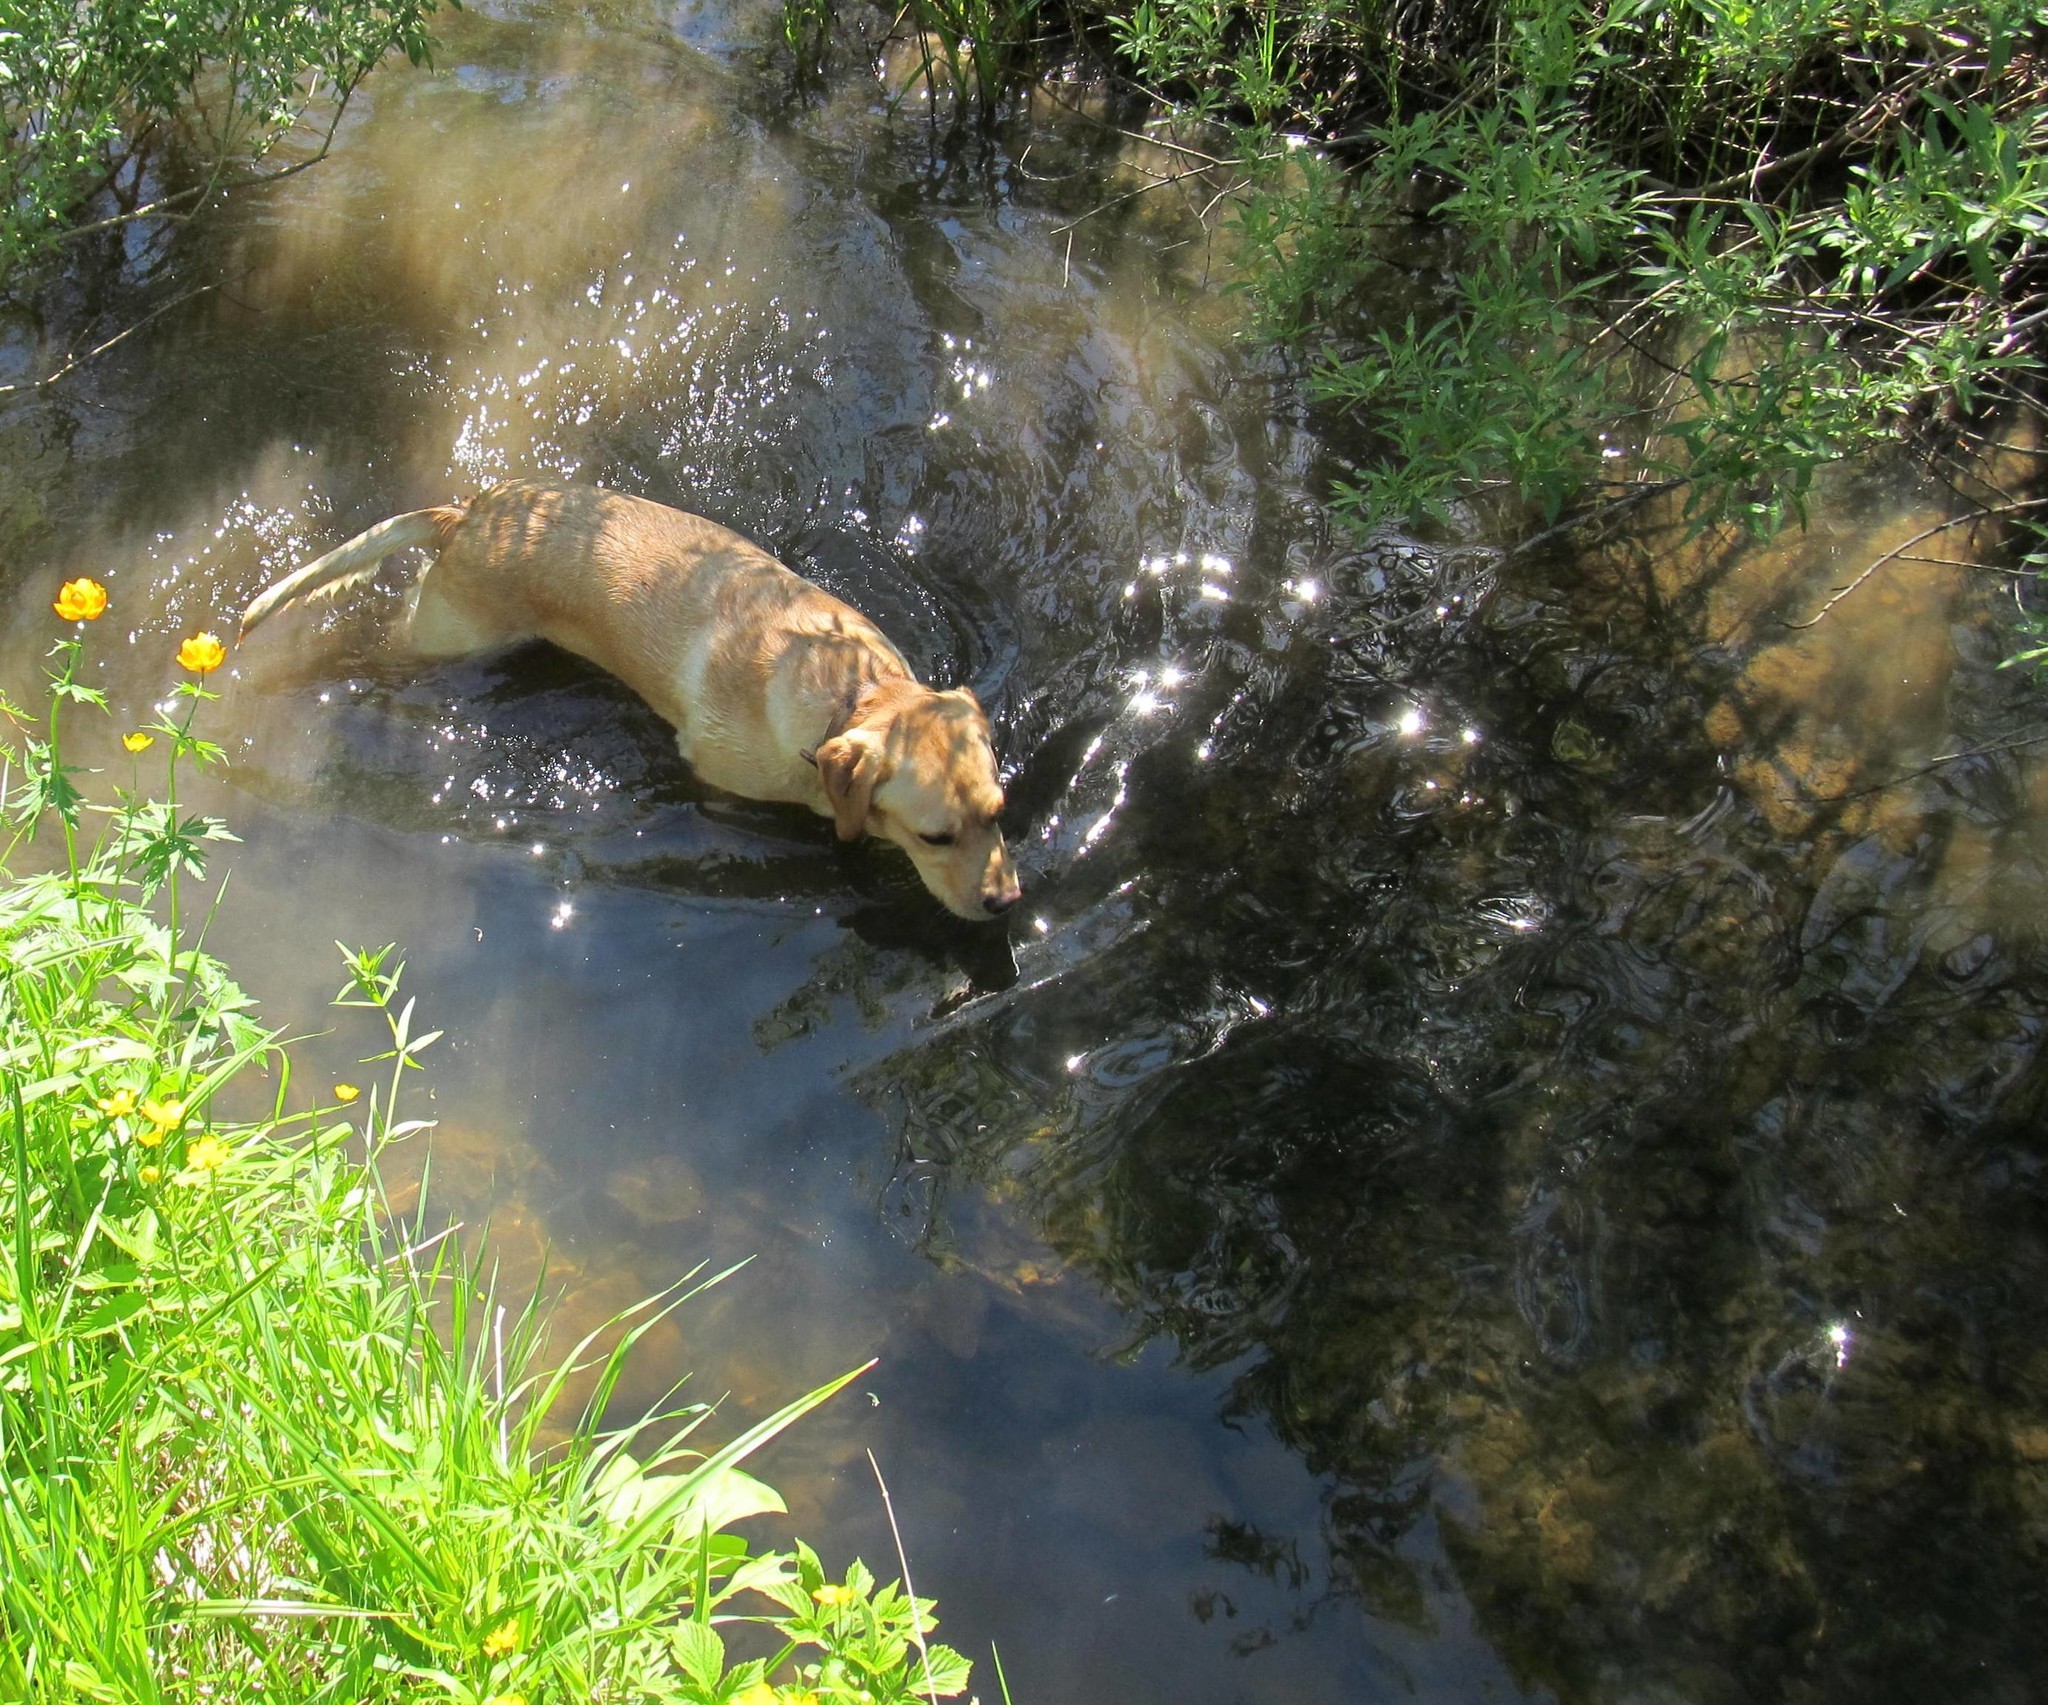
(1499, 1157)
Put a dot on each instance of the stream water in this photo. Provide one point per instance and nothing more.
(1499, 1157)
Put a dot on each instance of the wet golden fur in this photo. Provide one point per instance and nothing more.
(776, 689)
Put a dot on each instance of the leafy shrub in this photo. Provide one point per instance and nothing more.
(1553, 251)
(1675, 241)
(86, 86)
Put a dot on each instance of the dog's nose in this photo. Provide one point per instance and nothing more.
(997, 904)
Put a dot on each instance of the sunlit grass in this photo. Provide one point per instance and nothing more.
(259, 1440)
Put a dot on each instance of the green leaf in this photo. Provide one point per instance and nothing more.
(106, 1316)
(699, 1651)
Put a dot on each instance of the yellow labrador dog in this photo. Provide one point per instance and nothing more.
(776, 689)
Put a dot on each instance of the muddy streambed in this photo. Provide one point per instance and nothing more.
(1497, 1159)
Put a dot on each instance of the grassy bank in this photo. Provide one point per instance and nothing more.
(1547, 254)
(259, 1441)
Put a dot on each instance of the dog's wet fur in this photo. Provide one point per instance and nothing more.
(776, 689)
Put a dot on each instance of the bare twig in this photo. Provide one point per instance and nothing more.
(1176, 147)
(2012, 338)
(916, 1621)
(2005, 445)
(411, 1254)
(78, 361)
(1119, 200)
(1974, 567)
(1052, 94)
(1598, 512)
(160, 208)
(1985, 514)
(1887, 105)
(1992, 750)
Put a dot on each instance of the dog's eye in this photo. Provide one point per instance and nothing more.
(936, 840)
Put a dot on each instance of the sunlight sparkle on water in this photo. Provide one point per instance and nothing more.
(1840, 1336)
(1411, 720)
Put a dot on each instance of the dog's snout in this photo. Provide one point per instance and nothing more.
(997, 904)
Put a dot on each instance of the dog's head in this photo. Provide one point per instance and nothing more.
(917, 767)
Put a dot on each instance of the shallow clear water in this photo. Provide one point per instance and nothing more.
(1496, 1160)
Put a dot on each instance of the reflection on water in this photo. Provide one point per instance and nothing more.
(1497, 1157)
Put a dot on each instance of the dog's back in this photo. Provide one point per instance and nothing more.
(776, 689)
(703, 624)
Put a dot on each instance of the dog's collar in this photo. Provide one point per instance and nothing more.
(842, 719)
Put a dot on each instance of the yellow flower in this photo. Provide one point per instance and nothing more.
(118, 1105)
(138, 741)
(758, 1694)
(164, 1115)
(506, 1699)
(832, 1597)
(345, 1093)
(207, 1153)
(81, 600)
(202, 654)
(502, 1639)
(149, 1174)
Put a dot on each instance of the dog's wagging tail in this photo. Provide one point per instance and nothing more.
(776, 689)
(353, 563)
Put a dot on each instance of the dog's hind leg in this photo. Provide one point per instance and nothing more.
(436, 625)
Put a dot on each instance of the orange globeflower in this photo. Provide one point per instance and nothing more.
(81, 600)
(202, 654)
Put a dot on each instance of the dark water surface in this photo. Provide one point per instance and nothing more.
(1496, 1159)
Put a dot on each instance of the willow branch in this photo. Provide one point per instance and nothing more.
(78, 361)
(1920, 538)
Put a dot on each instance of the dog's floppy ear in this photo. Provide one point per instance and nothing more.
(850, 765)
